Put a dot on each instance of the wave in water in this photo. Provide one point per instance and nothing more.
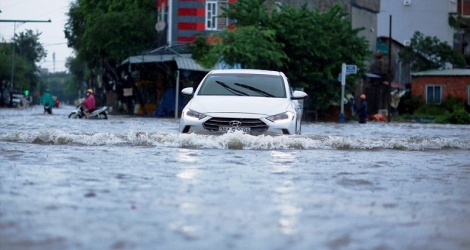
(236, 140)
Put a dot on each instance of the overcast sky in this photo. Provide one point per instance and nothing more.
(52, 37)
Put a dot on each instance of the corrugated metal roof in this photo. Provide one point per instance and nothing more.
(188, 63)
(148, 59)
(443, 72)
(183, 61)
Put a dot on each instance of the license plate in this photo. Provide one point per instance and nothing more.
(233, 129)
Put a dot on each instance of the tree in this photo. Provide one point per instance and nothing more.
(61, 85)
(308, 46)
(252, 47)
(27, 50)
(31, 51)
(427, 52)
(108, 31)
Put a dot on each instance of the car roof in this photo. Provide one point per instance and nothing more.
(246, 71)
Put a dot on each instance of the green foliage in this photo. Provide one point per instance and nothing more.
(110, 30)
(308, 46)
(458, 117)
(77, 68)
(426, 53)
(201, 52)
(430, 110)
(251, 47)
(452, 104)
(61, 86)
(27, 51)
(455, 112)
(452, 110)
(28, 46)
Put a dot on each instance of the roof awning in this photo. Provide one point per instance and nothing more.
(148, 59)
(188, 63)
(183, 62)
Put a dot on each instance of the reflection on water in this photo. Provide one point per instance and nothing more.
(187, 174)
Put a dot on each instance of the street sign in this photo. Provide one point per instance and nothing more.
(351, 69)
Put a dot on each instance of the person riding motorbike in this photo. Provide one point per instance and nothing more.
(89, 104)
(47, 101)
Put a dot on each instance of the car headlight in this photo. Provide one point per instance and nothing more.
(195, 114)
(282, 116)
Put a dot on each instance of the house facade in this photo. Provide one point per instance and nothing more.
(435, 86)
(181, 21)
(429, 17)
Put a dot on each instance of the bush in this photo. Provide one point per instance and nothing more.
(450, 111)
(452, 104)
(457, 117)
(429, 110)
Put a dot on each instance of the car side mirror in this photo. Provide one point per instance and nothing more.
(298, 95)
(188, 91)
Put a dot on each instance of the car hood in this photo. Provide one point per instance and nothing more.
(249, 105)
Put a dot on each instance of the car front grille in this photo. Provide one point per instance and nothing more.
(255, 125)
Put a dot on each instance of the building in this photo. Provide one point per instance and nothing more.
(462, 36)
(430, 17)
(435, 86)
(181, 21)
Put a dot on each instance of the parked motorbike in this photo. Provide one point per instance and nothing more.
(47, 109)
(98, 113)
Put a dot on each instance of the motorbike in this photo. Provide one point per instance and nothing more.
(47, 109)
(98, 113)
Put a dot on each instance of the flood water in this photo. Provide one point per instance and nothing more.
(135, 183)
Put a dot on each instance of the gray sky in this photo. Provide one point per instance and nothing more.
(52, 37)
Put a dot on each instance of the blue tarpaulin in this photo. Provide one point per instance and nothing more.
(166, 107)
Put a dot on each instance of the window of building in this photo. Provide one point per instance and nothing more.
(214, 11)
(162, 7)
(433, 94)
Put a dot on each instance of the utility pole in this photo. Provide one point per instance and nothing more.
(389, 87)
(13, 46)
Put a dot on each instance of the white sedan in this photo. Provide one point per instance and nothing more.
(253, 101)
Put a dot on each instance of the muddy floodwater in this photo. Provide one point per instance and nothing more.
(136, 183)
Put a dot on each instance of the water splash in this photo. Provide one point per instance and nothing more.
(237, 140)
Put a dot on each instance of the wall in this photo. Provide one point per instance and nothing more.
(361, 18)
(455, 86)
(430, 17)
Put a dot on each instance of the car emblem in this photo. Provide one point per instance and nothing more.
(235, 124)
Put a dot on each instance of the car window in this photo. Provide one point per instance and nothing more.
(243, 85)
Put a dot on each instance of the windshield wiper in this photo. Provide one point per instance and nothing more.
(234, 91)
(254, 89)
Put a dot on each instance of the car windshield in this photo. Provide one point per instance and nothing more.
(243, 85)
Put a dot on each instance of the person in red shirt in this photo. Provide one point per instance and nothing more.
(89, 104)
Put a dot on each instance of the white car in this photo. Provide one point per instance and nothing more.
(253, 101)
